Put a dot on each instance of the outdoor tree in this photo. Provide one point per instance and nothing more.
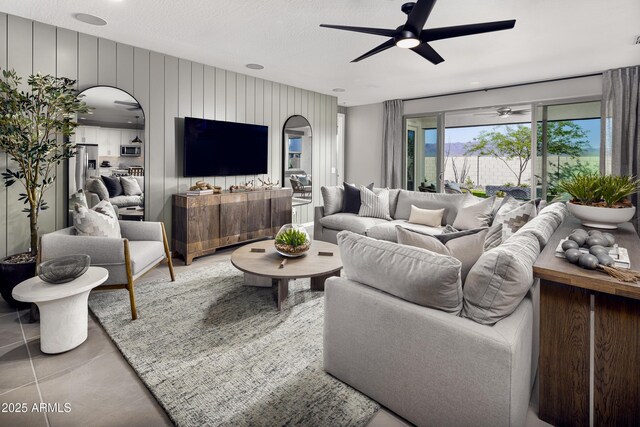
(507, 143)
(512, 142)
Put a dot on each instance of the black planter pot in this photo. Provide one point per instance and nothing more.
(12, 274)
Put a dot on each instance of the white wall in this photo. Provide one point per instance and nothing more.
(363, 144)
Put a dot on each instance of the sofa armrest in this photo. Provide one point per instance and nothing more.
(421, 363)
(318, 213)
(102, 250)
(141, 230)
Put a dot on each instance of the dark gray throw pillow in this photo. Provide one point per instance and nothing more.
(352, 200)
(113, 186)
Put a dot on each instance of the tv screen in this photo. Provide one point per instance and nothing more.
(217, 148)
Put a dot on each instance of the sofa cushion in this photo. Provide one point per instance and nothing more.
(545, 223)
(351, 222)
(467, 246)
(96, 186)
(374, 205)
(145, 253)
(387, 230)
(513, 215)
(125, 201)
(393, 199)
(333, 199)
(352, 198)
(130, 186)
(449, 202)
(476, 215)
(413, 274)
(101, 221)
(500, 279)
(494, 237)
(429, 217)
(113, 185)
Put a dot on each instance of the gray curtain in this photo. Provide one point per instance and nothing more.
(392, 152)
(621, 123)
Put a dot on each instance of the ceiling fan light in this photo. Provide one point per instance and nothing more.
(407, 43)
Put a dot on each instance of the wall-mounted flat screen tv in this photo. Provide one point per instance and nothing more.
(217, 148)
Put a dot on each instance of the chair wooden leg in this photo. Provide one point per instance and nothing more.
(132, 297)
(167, 253)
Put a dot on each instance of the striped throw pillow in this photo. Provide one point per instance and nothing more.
(374, 205)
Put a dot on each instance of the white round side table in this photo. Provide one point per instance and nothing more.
(63, 308)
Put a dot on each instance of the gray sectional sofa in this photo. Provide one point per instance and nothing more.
(430, 366)
(326, 227)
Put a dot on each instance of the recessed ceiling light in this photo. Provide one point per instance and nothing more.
(255, 66)
(129, 121)
(474, 83)
(90, 19)
(339, 89)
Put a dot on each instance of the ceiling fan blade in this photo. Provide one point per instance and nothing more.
(374, 31)
(419, 14)
(465, 30)
(384, 46)
(428, 53)
(520, 112)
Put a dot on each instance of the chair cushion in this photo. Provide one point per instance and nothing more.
(413, 274)
(145, 253)
(113, 185)
(351, 222)
(374, 205)
(78, 197)
(387, 230)
(101, 221)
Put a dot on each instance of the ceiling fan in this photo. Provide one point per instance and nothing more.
(412, 36)
(134, 105)
(504, 112)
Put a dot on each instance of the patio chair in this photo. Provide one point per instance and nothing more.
(298, 188)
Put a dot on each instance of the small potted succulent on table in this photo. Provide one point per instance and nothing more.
(292, 240)
(601, 201)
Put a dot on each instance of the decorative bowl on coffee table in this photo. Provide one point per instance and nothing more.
(63, 269)
(292, 240)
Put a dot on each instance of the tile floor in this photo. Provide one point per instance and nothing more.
(95, 381)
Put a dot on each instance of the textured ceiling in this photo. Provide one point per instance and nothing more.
(551, 39)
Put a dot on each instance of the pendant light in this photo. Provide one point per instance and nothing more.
(137, 138)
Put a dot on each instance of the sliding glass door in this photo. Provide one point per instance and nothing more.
(422, 145)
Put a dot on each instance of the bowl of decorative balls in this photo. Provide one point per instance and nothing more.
(595, 250)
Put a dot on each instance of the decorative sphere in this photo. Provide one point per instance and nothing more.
(594, 240)
(605, 259)
(594, 233)
(578, 238)
(611, 240)
(597, 249)
(569, 244)
(572, 255)
(588, 261)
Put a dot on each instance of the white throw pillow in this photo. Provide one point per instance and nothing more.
(101, 221)
(432, 218)
(130, 186)
(333, 198)
(475, 215)
(374, 205)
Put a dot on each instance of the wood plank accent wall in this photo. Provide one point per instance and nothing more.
(167, 88)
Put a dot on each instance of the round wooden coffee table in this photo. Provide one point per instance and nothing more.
(261, 265)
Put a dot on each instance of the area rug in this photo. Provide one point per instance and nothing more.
(214, 352)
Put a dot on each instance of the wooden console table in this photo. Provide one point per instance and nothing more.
(202, 224)
(580, 308)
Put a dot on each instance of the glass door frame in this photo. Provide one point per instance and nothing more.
(418, 171)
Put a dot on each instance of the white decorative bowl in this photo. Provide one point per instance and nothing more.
(597, 217)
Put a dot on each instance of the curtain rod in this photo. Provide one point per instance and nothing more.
(487, 89)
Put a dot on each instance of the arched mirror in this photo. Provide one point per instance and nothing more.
(296, 171)
(109, 163)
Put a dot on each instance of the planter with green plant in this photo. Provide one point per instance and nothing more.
(601, 201)
(36, 123)
(292, 240)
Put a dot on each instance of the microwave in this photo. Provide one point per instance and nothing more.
(131, 150)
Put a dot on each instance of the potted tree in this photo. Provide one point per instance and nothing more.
(600, 201)
(35, 126)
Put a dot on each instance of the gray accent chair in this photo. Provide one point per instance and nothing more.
(142, 247)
